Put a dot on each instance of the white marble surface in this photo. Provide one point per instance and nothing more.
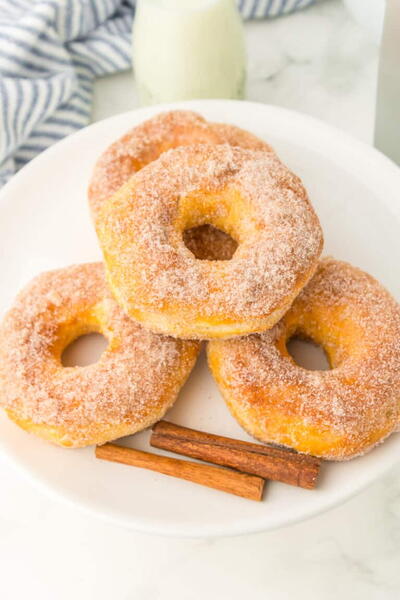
(321, 63)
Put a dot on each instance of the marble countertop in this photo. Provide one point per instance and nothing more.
(321, 63)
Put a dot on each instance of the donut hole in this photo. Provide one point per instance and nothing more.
(207, 242)
(214, 224)
(84, 350)
(307, 353)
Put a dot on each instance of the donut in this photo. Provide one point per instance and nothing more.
(335, 414)
(145, 143)
(248, 194)
(135, 381)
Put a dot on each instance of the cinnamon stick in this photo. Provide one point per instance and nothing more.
(240, 484)
(265, 461)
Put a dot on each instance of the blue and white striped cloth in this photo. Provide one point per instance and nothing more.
(50, 53)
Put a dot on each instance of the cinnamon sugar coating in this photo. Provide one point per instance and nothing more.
(135, 381)
(248, 194)
(147, 141)
(335, 414)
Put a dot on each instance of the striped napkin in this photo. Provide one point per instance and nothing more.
(50, 53)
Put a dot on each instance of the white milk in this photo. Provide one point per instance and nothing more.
(185, 49)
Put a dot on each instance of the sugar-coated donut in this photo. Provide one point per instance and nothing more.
(132, 385)
(147, 141)
(248, 194)
(334, 414)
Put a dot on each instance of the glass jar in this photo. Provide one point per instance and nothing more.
(186, 49)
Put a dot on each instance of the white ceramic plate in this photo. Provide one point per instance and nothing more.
(44, 224)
